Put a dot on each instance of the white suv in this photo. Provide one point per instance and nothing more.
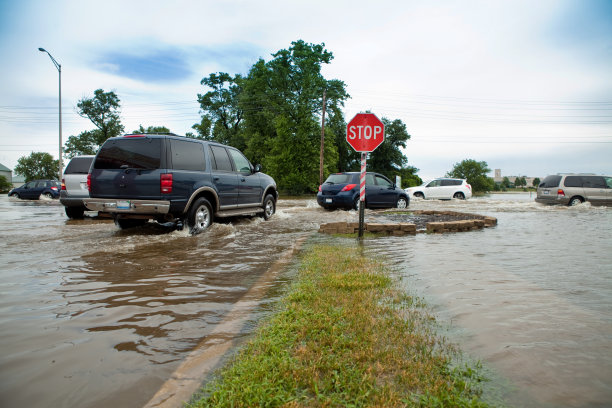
(442, 189)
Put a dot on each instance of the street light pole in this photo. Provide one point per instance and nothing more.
(59, 70)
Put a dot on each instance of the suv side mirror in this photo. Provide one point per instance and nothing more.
(257, 168)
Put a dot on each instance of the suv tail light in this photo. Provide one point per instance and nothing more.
(319, 188)
(165, 181)
(89, 182)
(63, 185)
(468, 186)
(560, 193)
(348, 187)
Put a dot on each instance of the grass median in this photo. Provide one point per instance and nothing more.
(345, 336)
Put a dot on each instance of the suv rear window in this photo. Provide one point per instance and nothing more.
(550, 182)
(78, 165)
(447, 182)
(134, 153)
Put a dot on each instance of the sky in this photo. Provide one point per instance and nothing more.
(525, 86)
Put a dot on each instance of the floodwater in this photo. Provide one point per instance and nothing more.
(91, 316)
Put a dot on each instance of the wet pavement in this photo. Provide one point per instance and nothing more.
(92, 316)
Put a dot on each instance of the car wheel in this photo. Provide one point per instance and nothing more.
(575, 201)
(269, 207)
(125, 223)
(16, 195)
(75, 212)
(419, 195)
(401, 203)
(459, 196)
(48, 195)
(200, 216)
(356, 203)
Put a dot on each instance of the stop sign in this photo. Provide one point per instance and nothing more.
(365, 132)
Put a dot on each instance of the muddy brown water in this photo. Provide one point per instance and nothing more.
(91, 316)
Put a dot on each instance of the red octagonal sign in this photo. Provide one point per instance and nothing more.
(365, 132)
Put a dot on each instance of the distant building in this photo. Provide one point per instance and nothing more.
(498, 178)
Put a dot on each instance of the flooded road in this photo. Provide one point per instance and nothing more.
(92, 316)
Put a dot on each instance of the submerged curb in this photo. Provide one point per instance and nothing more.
(473, 223)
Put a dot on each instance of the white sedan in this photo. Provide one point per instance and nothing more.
(442, 189)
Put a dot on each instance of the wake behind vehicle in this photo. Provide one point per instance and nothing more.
(341, 190)
(574, 189)
(170, 178)
(442, 189)
(35, 189)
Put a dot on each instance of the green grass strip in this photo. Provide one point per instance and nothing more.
(344, 336)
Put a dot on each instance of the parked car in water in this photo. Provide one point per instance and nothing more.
(442, 188)
(170, 178)
(341, 190)
(33, 190)
(74, 186)
(573, 189)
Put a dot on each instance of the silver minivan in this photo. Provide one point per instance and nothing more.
(573, 189)
(74, 186)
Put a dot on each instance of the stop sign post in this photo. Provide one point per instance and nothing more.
(365, 132)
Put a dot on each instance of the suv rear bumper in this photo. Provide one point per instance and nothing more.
(151, 207)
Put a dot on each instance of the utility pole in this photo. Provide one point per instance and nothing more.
(59, 70)
(322, 139)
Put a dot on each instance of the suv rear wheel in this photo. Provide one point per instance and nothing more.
(575, 201)
(200, 216)
(459, 196)
(75, 212)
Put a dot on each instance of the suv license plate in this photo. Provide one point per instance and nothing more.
(123, 205)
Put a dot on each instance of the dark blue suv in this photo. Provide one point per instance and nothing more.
(171, 178)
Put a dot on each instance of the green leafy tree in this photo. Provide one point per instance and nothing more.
(38, 165)
(536, 182)
(388, 158)
(222, 114)
(409, 177)
(475, 172)
(103, 111)
(520, 182)
(151, 129)
(506, 183)
(5, 186)
(282, 102)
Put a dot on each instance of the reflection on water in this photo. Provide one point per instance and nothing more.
(92, 316)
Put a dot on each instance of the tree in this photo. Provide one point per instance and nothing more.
(38, 165)
(520, 181)
(151, 129)
(281, 102)
(221, 112)
(5, 186)
(475, 173)
(536, 182)
(103, 111)
(506, 183)
(388, 158)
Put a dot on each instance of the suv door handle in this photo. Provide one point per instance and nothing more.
(242, 179)
(216, 178)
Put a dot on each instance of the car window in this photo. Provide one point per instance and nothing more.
(447, 182)
(41, 184)
(550, 182)
(79, 165)
(608, 182)
(573, 181)
(338, 178)
(593, 182)
(240, 162)
(435, 183)
(135, 153)
(31, 184)
(383, 182)
(370, 180)
(187, 155)
(221, 159)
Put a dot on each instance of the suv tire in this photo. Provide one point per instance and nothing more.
(459, 196)
(402, 203)
(75, 212)
(575, 201)
(200, 216)
(269, 207)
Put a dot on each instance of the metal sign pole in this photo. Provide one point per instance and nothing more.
(362, 187)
